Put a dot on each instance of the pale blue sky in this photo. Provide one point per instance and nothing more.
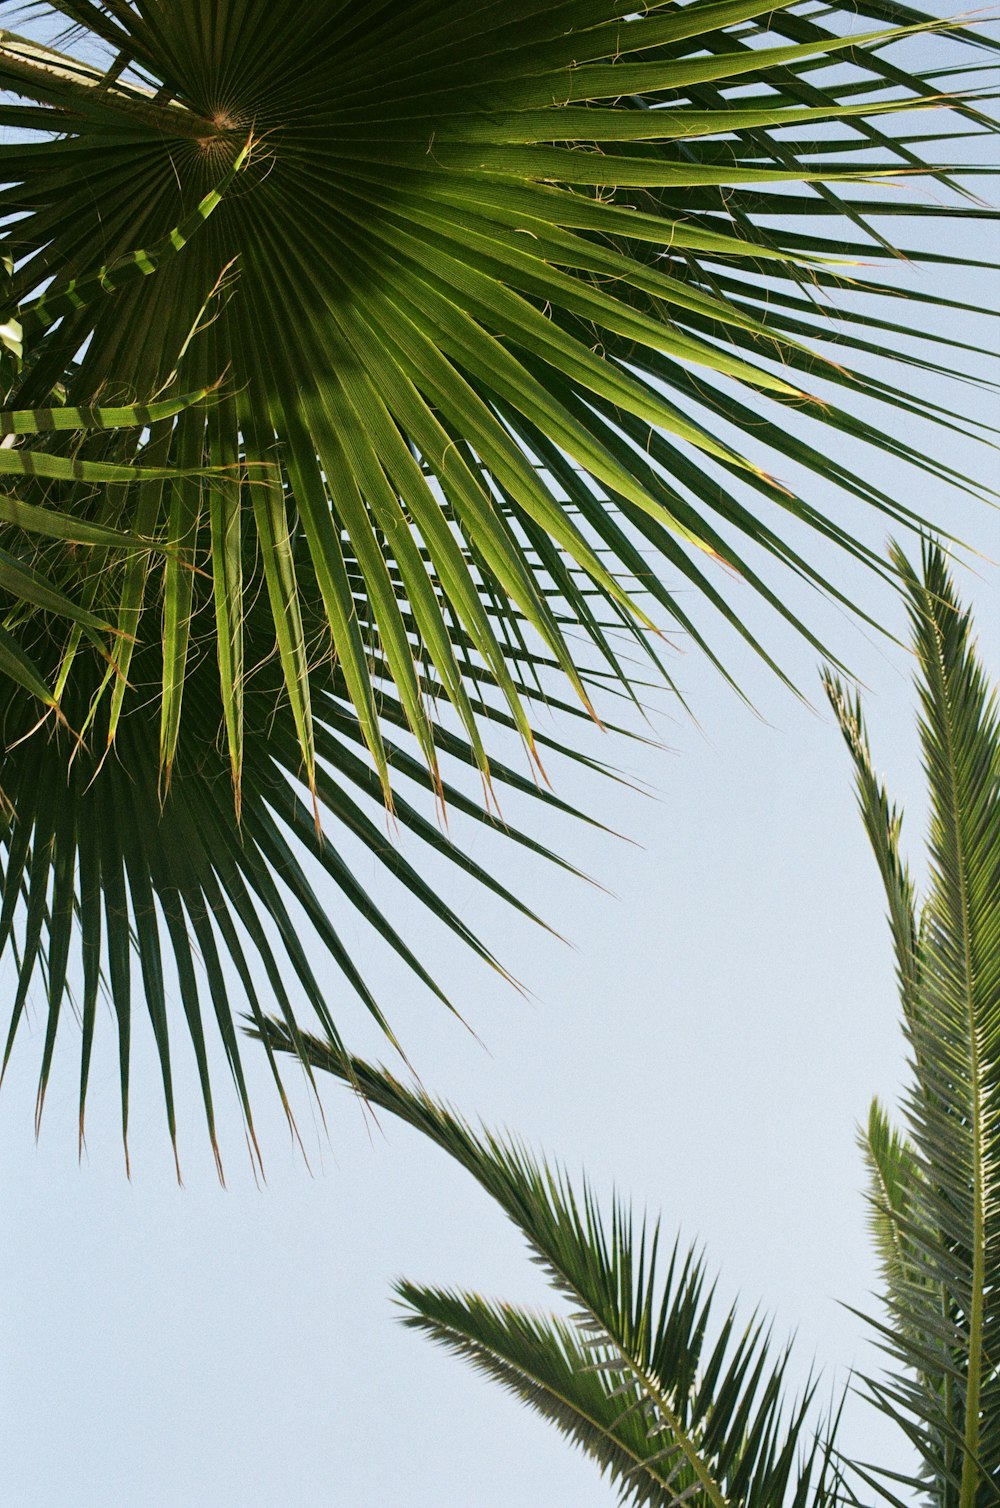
(708, 1045)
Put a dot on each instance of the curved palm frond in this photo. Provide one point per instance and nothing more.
(492, 293)
(936, 1194)
(674, 1403)
(631, 1375)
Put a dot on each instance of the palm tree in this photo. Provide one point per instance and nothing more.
(674, 1403)
(481, 330)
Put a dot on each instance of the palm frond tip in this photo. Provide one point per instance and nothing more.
(936, 1191)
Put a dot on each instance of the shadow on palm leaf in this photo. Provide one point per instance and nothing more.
(508, 304)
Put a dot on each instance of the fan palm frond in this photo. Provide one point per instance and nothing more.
(97, 852)
(511, 315)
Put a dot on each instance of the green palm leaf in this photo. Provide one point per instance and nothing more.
(674, 1404)
(171, 872)
(672, 1401)
(936, 1195)
(508, 305)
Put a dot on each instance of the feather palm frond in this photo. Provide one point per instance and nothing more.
(674, 1404)
(674, 1401)
(936, 1192)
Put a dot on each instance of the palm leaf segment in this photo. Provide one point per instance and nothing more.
(674, 1403)
(936, 1193)
(488, 287)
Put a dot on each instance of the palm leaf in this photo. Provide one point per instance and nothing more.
(509, 305)
(936, 1195)
(182, 863)
(674, 1403)
(542, 1361)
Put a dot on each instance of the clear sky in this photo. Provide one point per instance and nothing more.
(707, 1044)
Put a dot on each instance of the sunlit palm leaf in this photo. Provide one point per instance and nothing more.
(493, 292)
